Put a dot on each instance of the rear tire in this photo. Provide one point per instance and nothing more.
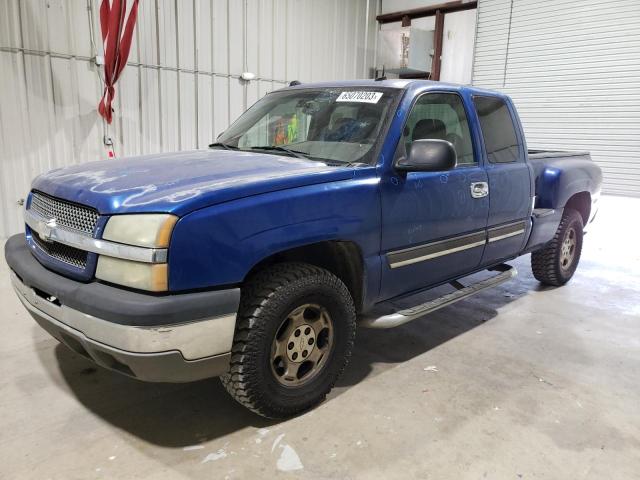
(287, 312)
(556, 263)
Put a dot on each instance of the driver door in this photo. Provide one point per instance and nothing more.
(433, 226)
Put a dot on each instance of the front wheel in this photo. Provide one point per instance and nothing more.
(556, 263)
(294, 336)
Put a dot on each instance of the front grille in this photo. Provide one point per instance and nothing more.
(67, 214)
(64, 253)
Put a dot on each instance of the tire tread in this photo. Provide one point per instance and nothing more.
(544, 262)
(254, 303)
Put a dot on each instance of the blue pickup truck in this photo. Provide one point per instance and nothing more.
(319, 208)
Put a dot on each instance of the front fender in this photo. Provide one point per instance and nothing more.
(219, 245)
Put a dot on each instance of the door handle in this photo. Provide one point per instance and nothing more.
(479, 189)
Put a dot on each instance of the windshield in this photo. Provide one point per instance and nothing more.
(335, 125)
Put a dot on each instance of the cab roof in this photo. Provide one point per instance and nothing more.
(401, 84)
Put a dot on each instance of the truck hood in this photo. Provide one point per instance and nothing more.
(182, 182)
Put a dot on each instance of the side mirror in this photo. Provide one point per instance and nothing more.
(428, 155)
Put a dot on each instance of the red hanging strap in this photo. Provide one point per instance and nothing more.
(117, 45)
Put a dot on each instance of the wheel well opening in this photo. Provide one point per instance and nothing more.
(581, 202)
(342, 258)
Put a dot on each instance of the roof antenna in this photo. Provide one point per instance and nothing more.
(293, 83)
(381, 77)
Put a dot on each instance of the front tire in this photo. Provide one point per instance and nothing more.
(294, 335)
(556, 263)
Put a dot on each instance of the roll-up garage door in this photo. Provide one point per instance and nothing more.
(573, 70)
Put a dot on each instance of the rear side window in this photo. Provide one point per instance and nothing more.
(498, 131)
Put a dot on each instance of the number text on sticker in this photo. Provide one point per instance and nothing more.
(358, 96)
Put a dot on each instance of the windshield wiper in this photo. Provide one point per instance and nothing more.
(280, 148)
(354, 164)
(226, 146)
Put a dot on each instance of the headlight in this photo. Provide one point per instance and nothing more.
(148, 230)
(143, 276)
(143, 230)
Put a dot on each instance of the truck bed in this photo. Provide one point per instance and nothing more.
(560, 174)
(555, 171)
(538, 154)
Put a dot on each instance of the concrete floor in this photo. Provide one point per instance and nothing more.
(518, 382)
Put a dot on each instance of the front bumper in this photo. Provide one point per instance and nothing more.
(172, 338)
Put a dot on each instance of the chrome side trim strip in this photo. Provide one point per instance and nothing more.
(437, 254)
(90, 244)
(506, 231)
(506, 235)
(428, 251)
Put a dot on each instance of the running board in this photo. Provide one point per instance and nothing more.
(401, 317)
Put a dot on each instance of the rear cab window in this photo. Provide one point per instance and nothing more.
(498, 130)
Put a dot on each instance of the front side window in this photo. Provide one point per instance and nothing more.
(337, 125)
(440, 116)
(499, 134)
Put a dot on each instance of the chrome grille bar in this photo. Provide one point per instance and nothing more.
(86, 242)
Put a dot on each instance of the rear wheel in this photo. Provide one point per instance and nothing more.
(557, 262)
(294, 335)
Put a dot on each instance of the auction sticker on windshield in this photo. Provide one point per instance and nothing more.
(358, 96)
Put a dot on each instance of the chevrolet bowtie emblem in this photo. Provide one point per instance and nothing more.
(46, 229)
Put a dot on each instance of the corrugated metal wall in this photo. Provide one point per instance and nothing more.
(573, 70)
(182, 85)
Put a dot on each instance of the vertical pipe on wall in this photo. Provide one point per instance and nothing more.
(356, 25)
(179, 100)
(344, 51)
(228, 65)
(475, 43)
(286, 44)
(196, 75)
(140, 68)
(273, 40)
(244, 53)
(160, 74)
(366, 41)
(506, 55)
(375, 37)
(437, 53)
(213, 68)
(334, 40)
